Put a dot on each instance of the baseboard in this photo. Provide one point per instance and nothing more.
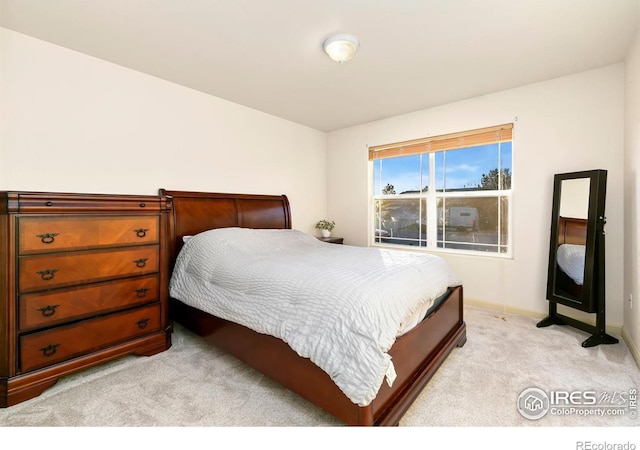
(611, 328)
(633, 348)
(503, 308)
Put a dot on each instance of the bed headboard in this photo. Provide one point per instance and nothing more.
(194, 212)
(572, 231)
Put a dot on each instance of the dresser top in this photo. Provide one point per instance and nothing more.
(57, 202)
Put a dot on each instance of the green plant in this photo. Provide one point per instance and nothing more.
(325, 225)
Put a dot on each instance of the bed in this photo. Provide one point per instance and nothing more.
(416, 354)
(570, 255)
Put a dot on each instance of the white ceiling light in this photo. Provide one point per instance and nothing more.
(341, 47)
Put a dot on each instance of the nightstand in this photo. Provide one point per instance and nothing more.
(332, 240)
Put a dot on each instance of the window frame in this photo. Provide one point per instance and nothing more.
(429, 147)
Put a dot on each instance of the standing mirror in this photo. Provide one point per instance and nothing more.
(575, 275)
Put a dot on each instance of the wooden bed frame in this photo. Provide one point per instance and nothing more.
(416, 355)
(572, 231)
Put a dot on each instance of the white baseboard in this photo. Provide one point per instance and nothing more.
(503, 308)
(633, 348)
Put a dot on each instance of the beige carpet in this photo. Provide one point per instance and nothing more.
(195, 385)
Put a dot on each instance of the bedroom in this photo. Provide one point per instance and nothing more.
(76, 123)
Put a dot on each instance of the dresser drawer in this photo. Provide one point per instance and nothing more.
(57, 203)
(39, 234)
(66, 269)
(58, 344)
(48, 308)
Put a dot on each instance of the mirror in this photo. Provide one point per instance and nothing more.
(568, 278)
(575, 276)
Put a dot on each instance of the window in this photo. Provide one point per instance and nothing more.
(448, 192)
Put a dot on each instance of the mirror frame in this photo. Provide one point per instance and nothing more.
(593, 282)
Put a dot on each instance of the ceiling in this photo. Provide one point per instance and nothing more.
(267, 54)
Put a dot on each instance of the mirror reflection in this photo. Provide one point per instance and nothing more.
(572, 238)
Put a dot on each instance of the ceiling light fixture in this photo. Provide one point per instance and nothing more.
(341, 47)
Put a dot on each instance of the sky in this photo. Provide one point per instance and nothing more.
(457, 168)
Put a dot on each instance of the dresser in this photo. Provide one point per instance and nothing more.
(83, 280)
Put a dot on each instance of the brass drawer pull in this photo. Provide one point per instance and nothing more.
(49, 350)
(47, 274)
(48, 311)
(142, 323)
(47, 238)
(142, 292)
(141, 232)
(141, 262)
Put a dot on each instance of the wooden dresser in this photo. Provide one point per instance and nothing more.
(83, 280)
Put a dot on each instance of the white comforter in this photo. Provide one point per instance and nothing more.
(570, 258)
(340, 306)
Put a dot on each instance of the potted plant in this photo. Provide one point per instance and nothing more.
(325, 227)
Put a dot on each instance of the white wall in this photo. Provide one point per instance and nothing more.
(631, 327)
(562, 125)
(73, 123)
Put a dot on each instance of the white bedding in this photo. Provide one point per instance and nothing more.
(570, 258)
(340, 306)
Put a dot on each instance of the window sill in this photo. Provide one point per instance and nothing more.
(444, 251)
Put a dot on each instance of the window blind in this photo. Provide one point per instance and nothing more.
(472, 138)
